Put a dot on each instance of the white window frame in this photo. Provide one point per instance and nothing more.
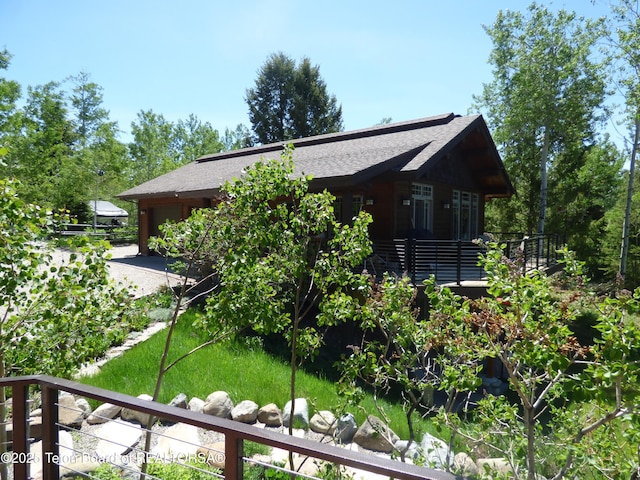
(464, 218)
(422, 207)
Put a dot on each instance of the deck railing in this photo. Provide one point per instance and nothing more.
(235, 434)
(455, 261)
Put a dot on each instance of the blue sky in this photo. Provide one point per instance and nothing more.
(405, 59)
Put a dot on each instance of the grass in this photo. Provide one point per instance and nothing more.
(243, 370)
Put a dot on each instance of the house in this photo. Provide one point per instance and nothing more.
(422, 179)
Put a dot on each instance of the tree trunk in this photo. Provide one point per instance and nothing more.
(529, 425)
(4, 470)
(624, 250)
(294, 360)
(544, 156)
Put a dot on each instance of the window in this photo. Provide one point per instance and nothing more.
(337, 208)
(422, 207)
(357, 205)
(465, 215)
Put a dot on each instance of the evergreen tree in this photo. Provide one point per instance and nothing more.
(290, 101)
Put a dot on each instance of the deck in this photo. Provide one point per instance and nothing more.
(456, 262)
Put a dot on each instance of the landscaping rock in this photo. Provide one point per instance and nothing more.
(213, 454)
(196, 405)
(69, 413)
(66, 452)
(178, 442)
(218, 404)
(135, 416)
(346, 428)
(84, 406)
(436, 452)
(104, 413)
(494, 465)
(117, 438)
(464, 465)
(374, 435)
(323, 422)
(179, 401)
(300, 413)
(245, 412)
(413, 451)
(270, 415)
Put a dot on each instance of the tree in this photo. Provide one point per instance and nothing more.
(86, 101)
(276, 253)
(9, 95)
(567, 395)
(627, 45)
(198, 243)
(286, 256)
(290, 101)
(545, 101)
(582, 190)
(42, 154)
(55, 316)
(192, 139)
(314, 111)
(151, 147)
(97, 165)
(160, 146)
(395, 351)
(238, 138)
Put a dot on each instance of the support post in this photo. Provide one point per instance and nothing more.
(20, 431)
(233, 462)
(50, 438)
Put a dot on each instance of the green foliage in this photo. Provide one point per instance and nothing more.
(290, 101)
(394, 354)
(106, 471)
(284, 253)
(193, 470)
(543, 105)
(56, 315)
(238, 138)
(562, 393)
(583, 191)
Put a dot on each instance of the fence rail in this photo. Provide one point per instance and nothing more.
(108, 232)
(235, 433)
(455, 261)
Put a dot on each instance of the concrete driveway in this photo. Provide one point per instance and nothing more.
(145, 274)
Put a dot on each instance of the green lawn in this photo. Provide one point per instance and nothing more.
(245, 373)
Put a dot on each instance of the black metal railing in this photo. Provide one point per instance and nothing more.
(235, 433)
(455, 261)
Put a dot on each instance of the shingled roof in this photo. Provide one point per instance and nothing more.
(344, 158)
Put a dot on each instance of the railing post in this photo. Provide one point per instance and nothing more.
(50, 438)
(409, 254)
(20, 431)
(459, 263)
(233, 462)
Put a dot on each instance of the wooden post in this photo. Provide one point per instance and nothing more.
(50, 445)
(233, 462)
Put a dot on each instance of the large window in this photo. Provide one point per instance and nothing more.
(465, 215)
(422, 208)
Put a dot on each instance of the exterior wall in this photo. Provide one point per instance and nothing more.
(392, 216)
(154, 212)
